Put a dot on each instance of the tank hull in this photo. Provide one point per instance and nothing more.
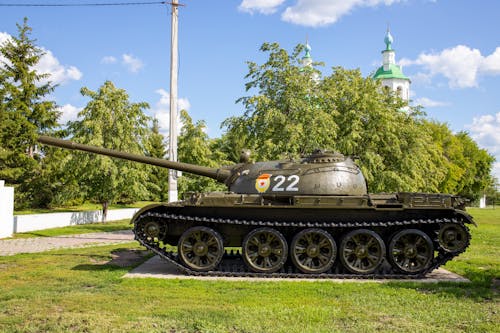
(403, 235)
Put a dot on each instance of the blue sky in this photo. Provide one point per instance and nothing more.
(449, 49)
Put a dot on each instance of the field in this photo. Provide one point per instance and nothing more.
(81, 290)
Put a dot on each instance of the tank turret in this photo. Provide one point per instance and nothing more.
(292, 218)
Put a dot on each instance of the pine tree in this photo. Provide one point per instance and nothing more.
(25, 110)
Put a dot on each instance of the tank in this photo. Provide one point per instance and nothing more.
(311, 217)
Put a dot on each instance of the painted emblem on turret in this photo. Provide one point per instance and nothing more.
(263, 182)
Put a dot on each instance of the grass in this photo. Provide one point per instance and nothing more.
(79, 290)
(80, 208)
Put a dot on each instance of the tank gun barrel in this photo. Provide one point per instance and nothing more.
(220, 175)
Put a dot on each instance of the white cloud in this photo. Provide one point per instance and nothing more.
(68, 113)
(4, 37)
(491, 63)
(260, 6)
(132, 63)
(461, 65)
(316, 13)
(427, 102)
(161, 110)
(108, 60)
(485, 130)
(312, 13)
(49, 64)
(58, 73)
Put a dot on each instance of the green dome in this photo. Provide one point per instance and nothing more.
(394, 72)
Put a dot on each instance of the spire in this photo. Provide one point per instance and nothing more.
(388, 40)
(307, 62)
(307, 59)
(389, 56)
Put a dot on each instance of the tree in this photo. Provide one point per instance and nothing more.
(109, 120)
(158, 177)
(287, 113)
(25, 111)
(195, 147)
(293, 112)
(478, 167)
(467, 166)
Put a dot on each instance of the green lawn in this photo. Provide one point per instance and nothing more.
(78, 290)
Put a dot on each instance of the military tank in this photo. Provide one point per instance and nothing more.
(311, 218)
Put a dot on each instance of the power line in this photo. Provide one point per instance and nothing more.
(83, 4)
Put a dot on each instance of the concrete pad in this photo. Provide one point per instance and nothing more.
(161, 269)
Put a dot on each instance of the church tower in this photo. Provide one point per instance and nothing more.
(307, 62)
(390, 74)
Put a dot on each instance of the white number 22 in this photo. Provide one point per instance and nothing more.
(292, 182)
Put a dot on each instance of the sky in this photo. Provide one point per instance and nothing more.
(450, 49)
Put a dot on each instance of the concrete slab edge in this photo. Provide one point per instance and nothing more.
(157, 268)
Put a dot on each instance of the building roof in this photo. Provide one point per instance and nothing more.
(394, 72)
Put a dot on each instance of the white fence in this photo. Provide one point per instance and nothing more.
(25, 223)
(6, 210)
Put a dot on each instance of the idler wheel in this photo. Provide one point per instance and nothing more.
(200, 248)
(411, 251)
(453, 237)
(313, 251)
(152, 231)
(264, 250)
(362, 251)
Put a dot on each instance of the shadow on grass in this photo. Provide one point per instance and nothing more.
(97, 267)
(120, 258)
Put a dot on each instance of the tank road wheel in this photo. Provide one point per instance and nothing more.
(200, 248)
(453, 237)
(313, 251)
(411, 251)
(264, 250)
(152, 231)
(362, 251)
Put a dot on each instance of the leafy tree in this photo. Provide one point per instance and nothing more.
(479, 163)
(109, 120)
(158, 177)
(195, 147)
(287, 113)
(294, 113)
(25, 112)
(53, 184)
(467, 166)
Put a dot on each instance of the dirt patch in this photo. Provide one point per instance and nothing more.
(128, 257)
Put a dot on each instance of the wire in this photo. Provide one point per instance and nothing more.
(83, 4)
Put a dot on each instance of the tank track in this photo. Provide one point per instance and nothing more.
(232, 265)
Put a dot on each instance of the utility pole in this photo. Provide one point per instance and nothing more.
(172, 152)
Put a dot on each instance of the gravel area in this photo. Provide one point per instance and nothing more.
(40, 244)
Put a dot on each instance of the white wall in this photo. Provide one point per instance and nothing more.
(6, 210)
(25, 223)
